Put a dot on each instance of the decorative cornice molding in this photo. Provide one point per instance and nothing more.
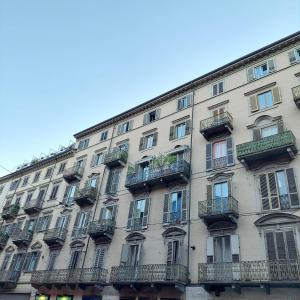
(260, 88)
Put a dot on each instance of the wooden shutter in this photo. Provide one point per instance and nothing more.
(291, 244)
(270, 243)
(187, 127)
(74, 259)
(209, 157)
(235, 247)
(109, 180)
(166, 209)
(280, 245)
(292, 57)
(130, 126)
(210, 249)
(124, 254)
(27, 260)
(119, 130)
(293, 193)
(209, 198)
(230, 157)
(146, 212)
(250, 74)
(47, 222)
(253, 103)
(142, 144)
(52, 258)
(189, 99)
(157, 114)
(130, 215)
(271, 65)
(256, 134)
(273, 191)
(115, 181)
(276, 95)
(99, 257)
(102, 212)
(184, 206)
(155, 136)
(179, 104)
(172, 133)
(139, 254)
(280, 126)
(93, 161)
(39, 224)
(114, 212)
(36, 255)
(76, 223)
(58, 222)
(169, 252)
(146, 119)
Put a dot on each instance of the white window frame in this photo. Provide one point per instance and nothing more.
(103, 134)
(218, 88)
(183, 124)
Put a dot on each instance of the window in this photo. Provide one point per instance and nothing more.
(18, 200)
(99, 257)
(108, 212)
(97, 159)
(69, 194)
(184, 102)
(43, 223)
(294, 56)
(74, 259)
(25, 180)
(29, 197)
(61, 168)
(148, 141)
(175, 207)
(218, 88)
(83, 144)
(54, 192)
(265, 100)
(132, 253)
(278, 190)
(261, 70)
(125, 127)
(62, 222)
(31, 261)
(103, 135)
(14, 185)
(1, 188)
(36, 177)
(138, 214)
(268, 131)
(5, 262)
(49, 172)
(81, 224)
(217, 196)
(173, 255)
(113, 181)
(151, 116)
(180, 130)
(52, 259)
(92, 182)
(41, 194)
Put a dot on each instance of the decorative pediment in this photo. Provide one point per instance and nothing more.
(173, 231)
(135, 236)
(66, 210)
(110, 200)
(93, 175)
(220, 176)
(264, 120)
(37, 245)
(77, 244)
(222, 225)
(10, 249)
(276, 218)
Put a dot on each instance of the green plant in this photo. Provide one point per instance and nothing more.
(130, 169)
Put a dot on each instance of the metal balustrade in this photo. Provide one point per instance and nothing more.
(10, 212)
(55, 236)
(74, 173)
(296, 95)
(85, 196)
(116, 158)
(153, 273)
(22, 238)
(101, 228)
(9, 279)
(33, 206)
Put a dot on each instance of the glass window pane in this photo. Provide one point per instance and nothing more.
(219, 149)
(268, 131)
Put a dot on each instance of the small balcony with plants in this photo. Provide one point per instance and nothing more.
(3, 240)
(296, 95)
(33, 206)
(55, 237)
(116, 158)
(10, 211)
(73, 174)
(218, 125)
(102, 230)
(22, 238)
(86, 196)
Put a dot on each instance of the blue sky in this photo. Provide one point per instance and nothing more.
(68, 64)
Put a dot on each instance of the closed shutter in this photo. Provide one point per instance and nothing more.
(119, 130)
(291, 244)
(271, 65)
(250, 74)
(58, 222)
(210, 249)
(172, 133)
(146, 119)
(170, 252)
(139, 254)
(187, 127)
(155, 136)
(179, 104)
(189, 99)
(142, 144)
(235, 247)
(99, 257)
(65, 200)
(273, 191)
(209, 157)
(39, 224)
(184, 206)
(47, 222)
(253, 104)
(146, 212)
(292, 187)
(166, 208)
(130, 215)
(75, 227)
(36, 258)
(292, 57)
(276, 95)
(280, 126)
(124, 254)
(230, 157)
(271, 251)
(115, 182)
(256, 134)
(281, 251)
(27, 261)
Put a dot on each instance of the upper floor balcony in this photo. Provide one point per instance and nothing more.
(3, 240)
(250, 273)
(71, 277)
(116, 158)
(33, 206)
(55, 237)
(154, 274)
(86, 196)
(9, 279)
(73, 174)
(296, 95)
(102, 230)
(155, 176)
(10, 211)
(221, 124)
(219, 209)
(277, 146)
(22, 238)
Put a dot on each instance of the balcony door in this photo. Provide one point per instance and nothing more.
(222, 249)
(220, 196)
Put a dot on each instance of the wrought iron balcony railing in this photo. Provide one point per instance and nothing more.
(55, 237)
(72, 174)
(178, 171)
(3, 239)
(33, 206)
(250, 271)
(10, 212)
(88, 276)
(22, 238)
(9, 279)
(217, 125)
(268, 148)
(296, 94)
(116, 158)
(155, 273)
(86, 196)
(101, 229)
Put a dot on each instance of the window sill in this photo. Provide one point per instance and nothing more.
(263, 110)
(178, 110)
(179, 139)
(147, 149)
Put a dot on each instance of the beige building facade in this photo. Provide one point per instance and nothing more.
(191, 195)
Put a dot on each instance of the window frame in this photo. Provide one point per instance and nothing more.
(217, 85)
(103, 135)
(83, 144)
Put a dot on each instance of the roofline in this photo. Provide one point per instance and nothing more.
(284, 42)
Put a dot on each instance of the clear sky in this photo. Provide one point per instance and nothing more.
(68, 64)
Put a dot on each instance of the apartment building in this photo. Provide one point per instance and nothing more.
(191, 195)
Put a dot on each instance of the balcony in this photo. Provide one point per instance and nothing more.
(3, 240)
(296, 95)
(216, 126)
(71, 277)
(9, 279)
(116, 158)
(55, 237)
(250, 273)
(86, 196)
(102, 230)
(33, 206)
(73, 174)
(278, 146)
(156, 176)
(149, 275)
(10, 212)
(216, 210)
(22, 238)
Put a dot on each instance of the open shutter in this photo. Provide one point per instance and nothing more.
(189, 99)
(114, 212)
(169, 252)
(235, 247)
(276, 95)
(102, 212)
(155, 136)
(291, 244)
(146, 212)
(250, 74)
(130, 126)
(166, 209)
(210, 249)
(292, 57)
(109, 181)
(187, 127)
(115, 181)
(281, 251)
(184, 206)
(264, 191)
(58, 222)
(36, 260)
(253, 103)
(290, 176)
(75, 227)
(93, 161)
(256, 134)
(146, 119)
(230, 158)
(51, 261)
(139, 254)
(157, 114)
(271, 65)
(209, 157)
(280, 126)
(270, 243)
(39, 224)
(179, 104)
(99, 257)
(119, 130)
(172, 133)
(47, 222)
(27, 260)
(209, 198)
(142, 144)
(273, 191)
(124, 254)
(130, 215)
